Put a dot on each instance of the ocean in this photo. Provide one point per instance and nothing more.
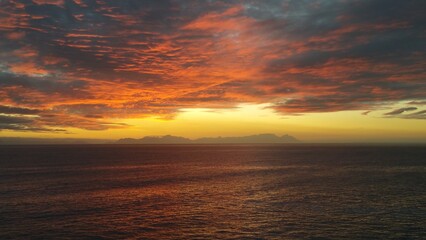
(212, 192)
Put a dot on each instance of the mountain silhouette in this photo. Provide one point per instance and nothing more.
(168, 139)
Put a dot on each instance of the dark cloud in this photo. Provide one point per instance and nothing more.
(417, 103)
(400, 110)
(44, 84)
(17, 110)
(14, 120)
(420, 115)
(19, 123)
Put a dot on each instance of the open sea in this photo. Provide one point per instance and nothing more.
(212, 192)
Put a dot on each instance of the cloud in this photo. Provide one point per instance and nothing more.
(401, 110)
(417, 103)
(17, 110)
(19, 123)
(420, 115)
(94, 60)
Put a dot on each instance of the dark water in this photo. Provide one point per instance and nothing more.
(212, 192)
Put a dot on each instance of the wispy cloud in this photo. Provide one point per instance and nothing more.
(401, 110)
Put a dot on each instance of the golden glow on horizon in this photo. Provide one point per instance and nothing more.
(344, 126)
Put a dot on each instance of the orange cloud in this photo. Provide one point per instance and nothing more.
(27, 68)
(15, 35)
(54, 2)
(119, 59)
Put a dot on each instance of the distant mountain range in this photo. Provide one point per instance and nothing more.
(168, 139)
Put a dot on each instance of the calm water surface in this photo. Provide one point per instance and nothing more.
(212, 192)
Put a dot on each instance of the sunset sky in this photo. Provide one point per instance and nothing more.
(320, 70)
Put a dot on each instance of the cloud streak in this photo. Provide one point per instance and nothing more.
(74, 63)
(400, 111)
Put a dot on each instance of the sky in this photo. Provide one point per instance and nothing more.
(320, 70)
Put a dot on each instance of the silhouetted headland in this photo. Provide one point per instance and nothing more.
(168, 139)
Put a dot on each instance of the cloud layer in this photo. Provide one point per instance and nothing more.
(73, 63)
